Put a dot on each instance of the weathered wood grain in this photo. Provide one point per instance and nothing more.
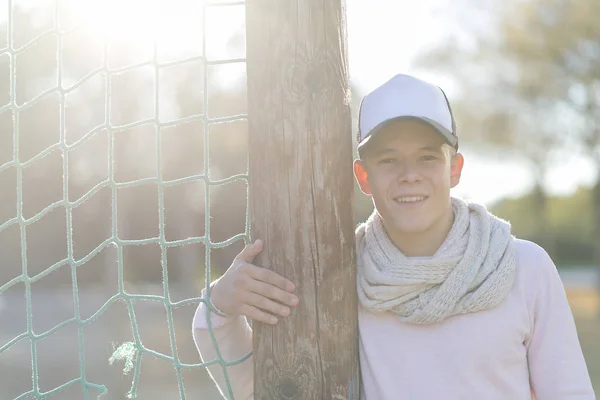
(301, 189)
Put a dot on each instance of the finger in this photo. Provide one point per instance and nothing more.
(258, 315)
(268, 276)
(266, 304)
(250, 252)
(272, 292)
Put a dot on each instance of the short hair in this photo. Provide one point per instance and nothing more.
(449, 150)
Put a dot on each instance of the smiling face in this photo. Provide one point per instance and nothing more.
(409, 170)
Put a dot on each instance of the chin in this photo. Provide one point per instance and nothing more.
(409, 225)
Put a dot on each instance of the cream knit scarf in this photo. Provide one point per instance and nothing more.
(473, 270)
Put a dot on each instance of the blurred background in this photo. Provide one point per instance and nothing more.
(523, 78)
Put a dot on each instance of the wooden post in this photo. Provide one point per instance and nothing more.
(301, 189)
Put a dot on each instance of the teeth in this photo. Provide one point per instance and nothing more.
(410, 199)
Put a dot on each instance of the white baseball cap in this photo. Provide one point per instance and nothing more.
(405, 96)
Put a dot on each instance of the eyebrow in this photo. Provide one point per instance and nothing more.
(436, 149)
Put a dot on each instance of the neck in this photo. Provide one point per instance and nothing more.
(426, 243)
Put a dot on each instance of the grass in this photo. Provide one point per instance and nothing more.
(585, 304)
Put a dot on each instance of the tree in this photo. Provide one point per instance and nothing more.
(529, 79)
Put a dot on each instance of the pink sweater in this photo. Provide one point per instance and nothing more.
(528, 343)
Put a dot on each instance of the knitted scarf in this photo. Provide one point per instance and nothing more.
(473, 270)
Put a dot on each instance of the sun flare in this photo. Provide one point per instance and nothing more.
(177, 27)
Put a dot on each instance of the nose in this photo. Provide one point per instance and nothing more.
(408, 172)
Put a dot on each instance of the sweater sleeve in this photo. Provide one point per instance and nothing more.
(557, 366)
(233, 337)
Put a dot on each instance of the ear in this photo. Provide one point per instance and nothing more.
(456, 165)
(360, 172)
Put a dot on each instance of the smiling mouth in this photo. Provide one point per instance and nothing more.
(410, 199)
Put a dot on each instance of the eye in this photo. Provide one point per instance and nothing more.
(387, 161)
(429, 158)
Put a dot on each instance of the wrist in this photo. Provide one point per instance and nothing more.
(211, 305)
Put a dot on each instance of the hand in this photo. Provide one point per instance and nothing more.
(252, 291)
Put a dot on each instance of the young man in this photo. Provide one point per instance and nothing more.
(451, 305)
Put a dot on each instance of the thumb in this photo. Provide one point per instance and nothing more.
(251, 251)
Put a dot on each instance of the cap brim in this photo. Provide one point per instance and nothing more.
(444, 132)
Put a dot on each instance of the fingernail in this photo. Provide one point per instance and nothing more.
(294, 301)
(273, 320)
(291, 286)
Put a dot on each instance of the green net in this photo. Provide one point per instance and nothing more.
(130, 353)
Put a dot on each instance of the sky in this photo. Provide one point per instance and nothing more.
(384, 39)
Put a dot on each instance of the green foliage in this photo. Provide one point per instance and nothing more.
(569, 228)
